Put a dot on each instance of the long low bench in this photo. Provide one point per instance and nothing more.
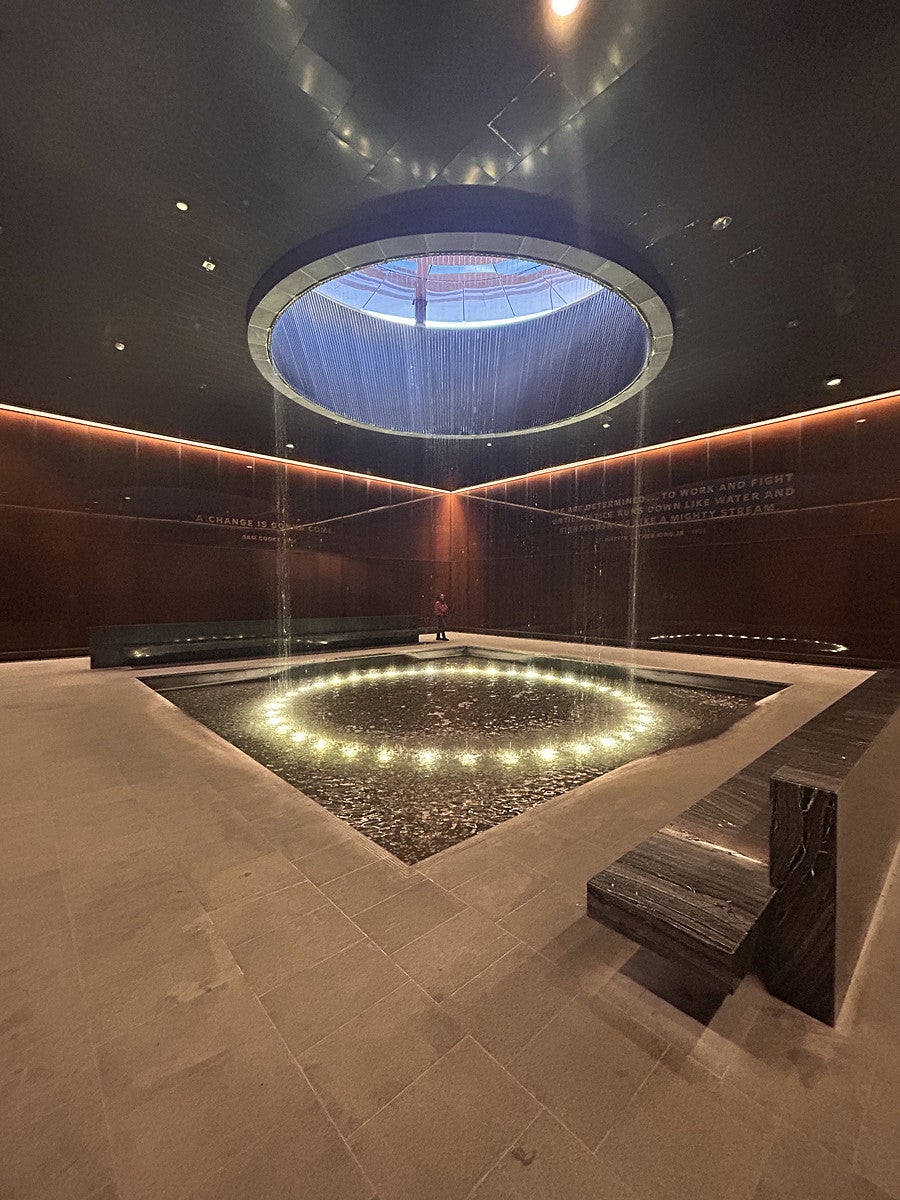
(777, 871)
(152, 645)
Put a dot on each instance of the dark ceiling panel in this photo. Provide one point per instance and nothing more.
(276, 119)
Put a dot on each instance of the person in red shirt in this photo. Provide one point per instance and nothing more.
(441, 609)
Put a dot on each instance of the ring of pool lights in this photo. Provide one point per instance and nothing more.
(588, 277)
(818, 647)
(639, 718)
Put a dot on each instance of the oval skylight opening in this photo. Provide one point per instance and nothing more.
(427, 336)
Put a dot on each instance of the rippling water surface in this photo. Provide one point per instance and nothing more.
(419, 761)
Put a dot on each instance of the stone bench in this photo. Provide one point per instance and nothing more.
(778, 870)
(152, 645)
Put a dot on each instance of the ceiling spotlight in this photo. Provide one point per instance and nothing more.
(119, 345)
(564, 8)
(834, 381)
(182, 205)
(208, 264)
(721, 223)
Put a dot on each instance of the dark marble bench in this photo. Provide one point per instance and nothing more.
(149, 645)
(778, 870)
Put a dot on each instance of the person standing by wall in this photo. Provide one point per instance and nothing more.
(441, 608)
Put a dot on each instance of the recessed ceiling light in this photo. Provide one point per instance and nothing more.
(721, 223)
(126, 497)
(490, 443)
(860, 420)
(606, 424)
(249, 466)
(208, 264)
(289, 445)
(792, 324)
(834, 381)
(182, 205)
(119, 345)
(564, 8)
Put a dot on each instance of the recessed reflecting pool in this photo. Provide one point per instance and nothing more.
(422, 751)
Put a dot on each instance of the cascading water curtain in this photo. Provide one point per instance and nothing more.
(282, 539)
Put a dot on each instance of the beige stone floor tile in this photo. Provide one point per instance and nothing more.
(211, 857)
(531, 840)
(266, 798)
(119, 995)
(509, 1002)
(205, 1116)
(62, 1156)
(547, 1163)
(143, 861)
(403, 917)
(700, 1024)
(203, 824)
(878, 1149)
(585, 1065)
(298, 830)
(452, 867)
(589, 954)
(338, 859)
(144, 1061)
(871, 1012)
(550, 921)
(39, 1076)
(172, 793)
(245, 919)
(368, 886)
(577, 863)
(500, 889)
(25, 848)
(686, 1133)
(301, 1158)
(439, 1136)
(316, 1000)
(363, 1065)
(799, 1168)
(120, 912)
(29, 909)
(268, 959)
(134, 949)
(40, 994)
(812, 1075)
(254, 877)
(80, 832)
(446, 957)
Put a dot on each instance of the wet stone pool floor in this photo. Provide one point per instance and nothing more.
(419, 754)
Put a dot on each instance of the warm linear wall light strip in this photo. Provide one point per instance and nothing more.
(474, 487)
(249, 454)
(685, 441)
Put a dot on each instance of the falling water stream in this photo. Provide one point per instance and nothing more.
(282, 541)
(636, 528)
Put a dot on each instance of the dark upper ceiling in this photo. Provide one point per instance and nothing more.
(277, 119)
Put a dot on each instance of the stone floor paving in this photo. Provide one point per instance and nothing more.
(212, 989)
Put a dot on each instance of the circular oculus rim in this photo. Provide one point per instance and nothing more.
(612, 275)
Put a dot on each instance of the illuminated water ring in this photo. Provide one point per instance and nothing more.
(638, 719)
